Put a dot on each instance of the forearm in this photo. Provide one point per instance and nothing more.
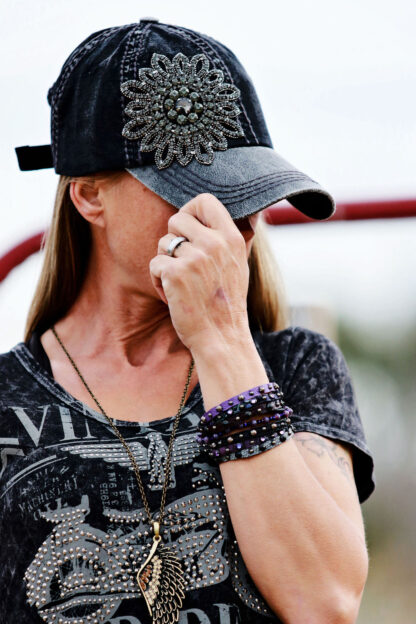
(303, 553)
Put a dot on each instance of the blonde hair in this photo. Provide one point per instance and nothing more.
(67, 247)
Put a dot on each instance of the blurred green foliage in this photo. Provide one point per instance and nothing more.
(382, 361)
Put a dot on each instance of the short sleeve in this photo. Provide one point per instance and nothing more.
(316, 382)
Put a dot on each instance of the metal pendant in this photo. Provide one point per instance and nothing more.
(162, 582)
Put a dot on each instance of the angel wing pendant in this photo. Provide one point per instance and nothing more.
(162, 582)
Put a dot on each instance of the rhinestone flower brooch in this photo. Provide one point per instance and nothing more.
(181, 109)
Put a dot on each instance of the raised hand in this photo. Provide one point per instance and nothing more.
(205, 284)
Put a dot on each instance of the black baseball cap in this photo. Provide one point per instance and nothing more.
(177, 110)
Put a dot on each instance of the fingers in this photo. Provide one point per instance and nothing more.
(203, 220)
(211, 233)
(158, 266)
(185, 224)
(164, 243)
(166, 271)
(209, 211)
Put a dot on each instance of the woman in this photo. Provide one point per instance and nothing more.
(117, 505)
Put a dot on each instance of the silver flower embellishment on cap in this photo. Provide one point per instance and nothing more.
(181, 109)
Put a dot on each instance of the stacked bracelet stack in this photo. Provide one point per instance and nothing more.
(246, 424)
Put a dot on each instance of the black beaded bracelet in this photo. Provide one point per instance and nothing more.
(252, 440)
(251, 433)
(263, 414)
(248, 448)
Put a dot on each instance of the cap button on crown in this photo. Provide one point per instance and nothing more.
(149, 20)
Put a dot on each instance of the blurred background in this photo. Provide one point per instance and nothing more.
(337, 85)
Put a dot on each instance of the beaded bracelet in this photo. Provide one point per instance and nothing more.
(249, 434)
(248, 448)
(240, 414)
(245, 400)
(240, 410)
(276, 419)
(216, 440)
(237, 413)
(246, 404)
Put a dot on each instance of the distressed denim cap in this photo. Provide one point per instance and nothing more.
(176, 109)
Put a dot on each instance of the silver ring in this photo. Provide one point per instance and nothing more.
(175, 242)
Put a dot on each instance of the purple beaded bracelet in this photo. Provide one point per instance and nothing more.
(216, 423)
(246, 399)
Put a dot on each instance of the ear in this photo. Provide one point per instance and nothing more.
(86, 197)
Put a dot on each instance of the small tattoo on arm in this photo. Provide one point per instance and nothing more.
(319, 446)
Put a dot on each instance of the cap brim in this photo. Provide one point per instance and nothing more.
(244, 179)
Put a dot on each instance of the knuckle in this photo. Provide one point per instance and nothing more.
(172, 219)
(169, 273)
(153, 262)
(237, 239)
(162, 244)
(178, 275)
(197, 259)
(213, 245)
(206, 197)
(199, 254)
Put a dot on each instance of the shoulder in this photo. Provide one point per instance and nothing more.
(14, 376)
(293, 336)
(297, 349)
(9, 359)
(307, 365)
(315, 379)
(9, 364)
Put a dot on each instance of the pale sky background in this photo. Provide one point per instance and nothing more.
(337, 85)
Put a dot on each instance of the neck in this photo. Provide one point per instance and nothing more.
(110, 320)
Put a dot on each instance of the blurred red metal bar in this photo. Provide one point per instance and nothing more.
(285, 214)
(19, 253)
(281, 213)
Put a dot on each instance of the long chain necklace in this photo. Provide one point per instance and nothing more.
(161, 578)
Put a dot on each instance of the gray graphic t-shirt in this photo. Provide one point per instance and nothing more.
(73, 529)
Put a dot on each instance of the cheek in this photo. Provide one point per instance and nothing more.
(134, 232)
(133, 245)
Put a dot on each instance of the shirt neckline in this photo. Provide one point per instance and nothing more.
(46, 379)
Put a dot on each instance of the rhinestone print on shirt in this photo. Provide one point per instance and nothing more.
(81, 571)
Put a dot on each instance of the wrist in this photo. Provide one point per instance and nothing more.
(247, 424)
(217, 343)
(227, 368)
